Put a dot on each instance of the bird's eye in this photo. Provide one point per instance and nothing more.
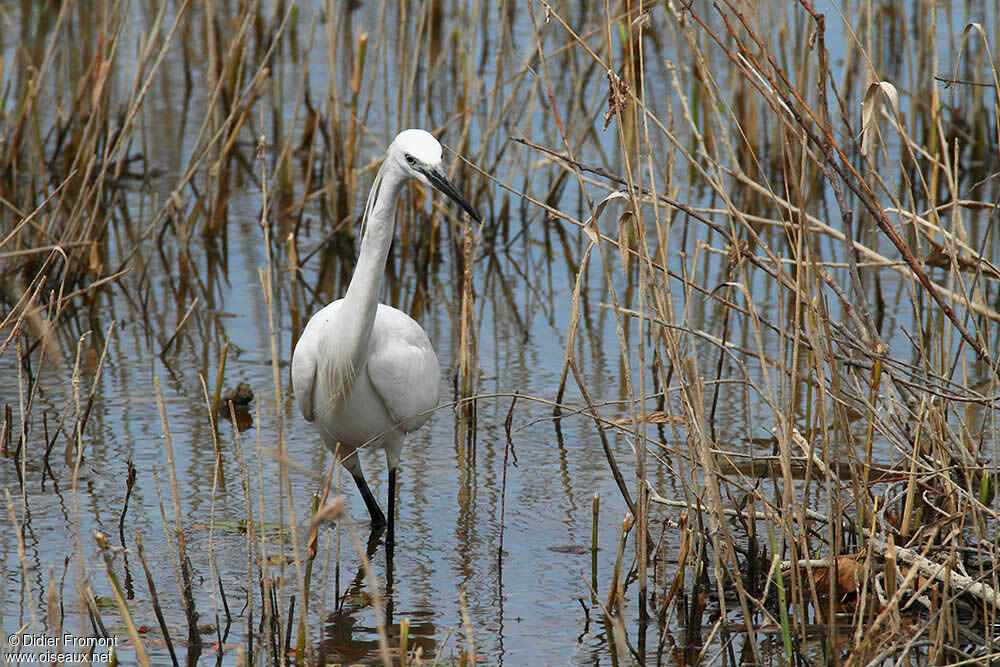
(410, 160)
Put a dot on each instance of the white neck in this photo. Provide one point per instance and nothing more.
(361, 301)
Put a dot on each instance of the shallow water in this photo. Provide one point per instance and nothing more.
(525, 602)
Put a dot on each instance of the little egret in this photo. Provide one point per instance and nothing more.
(362, 371)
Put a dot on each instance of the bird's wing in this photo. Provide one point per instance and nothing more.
(305, 359)
(304, 373)
(403, 368)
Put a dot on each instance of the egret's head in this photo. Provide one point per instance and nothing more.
(418, 154)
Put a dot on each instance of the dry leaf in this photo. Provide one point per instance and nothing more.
(332, 510)
(868, 108)
(978, 27)
(618, 94)
(652, 418)
(941, 258)
(595, 233)
(848, 573)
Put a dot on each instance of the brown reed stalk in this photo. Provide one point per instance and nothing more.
(187, 584)
(116, 589)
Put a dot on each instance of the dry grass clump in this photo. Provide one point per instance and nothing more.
(863, 527)
(113, 209)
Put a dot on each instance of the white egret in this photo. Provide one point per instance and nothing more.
(363, 371)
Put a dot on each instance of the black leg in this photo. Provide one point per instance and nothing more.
(392, 506)
(378, 519)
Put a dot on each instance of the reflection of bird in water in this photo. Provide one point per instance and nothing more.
(351, 637)
(347, 639)
(364, 372)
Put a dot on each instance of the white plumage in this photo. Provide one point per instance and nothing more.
(398, 383)
(365, 373)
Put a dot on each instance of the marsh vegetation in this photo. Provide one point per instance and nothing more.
(719, 369)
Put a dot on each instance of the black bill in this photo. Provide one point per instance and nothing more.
(439, 180)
